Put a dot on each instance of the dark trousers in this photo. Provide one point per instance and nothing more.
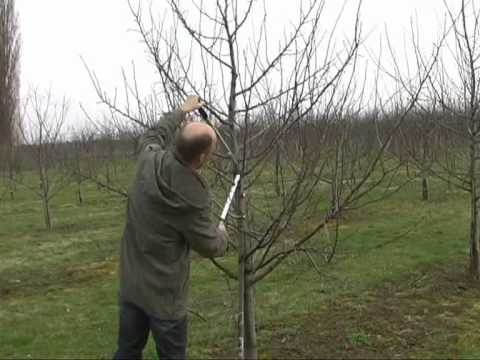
(170, 335)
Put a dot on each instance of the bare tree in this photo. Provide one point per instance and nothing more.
(418, 140)
(43, 121)
(83, 160)
(284, 105)
(458, 94)
(95, 159)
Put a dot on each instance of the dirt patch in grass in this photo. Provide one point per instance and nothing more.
(52, 278)
(423, 316)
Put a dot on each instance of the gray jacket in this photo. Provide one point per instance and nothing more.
(168, 213)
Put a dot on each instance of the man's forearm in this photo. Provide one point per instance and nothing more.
(170, 121)
(162, 134)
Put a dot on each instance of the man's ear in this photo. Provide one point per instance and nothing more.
(202, 159)
(199, 160)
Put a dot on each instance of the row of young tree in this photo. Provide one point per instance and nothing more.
(309, 138)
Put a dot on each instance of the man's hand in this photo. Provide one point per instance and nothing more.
(221, 228)
(222, 234)
(192, 103)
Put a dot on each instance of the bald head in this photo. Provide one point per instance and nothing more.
(195, 143)
(198, 129)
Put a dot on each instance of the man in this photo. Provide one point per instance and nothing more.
(168, 213)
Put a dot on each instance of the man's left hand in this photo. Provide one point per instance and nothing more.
(192, 102)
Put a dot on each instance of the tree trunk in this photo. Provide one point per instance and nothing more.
(337, 177)
(249, 316)
(12, 182)
(79, 192)
(277, 170)
(12, 174)
(246, 322)
(249, 303)
(107, 174)
(241, 277)
(475, 209)
(425, 192)
(46, 213)
(44, 188)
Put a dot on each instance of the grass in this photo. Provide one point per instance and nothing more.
(392, 289)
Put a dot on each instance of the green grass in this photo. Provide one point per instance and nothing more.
(58, 289)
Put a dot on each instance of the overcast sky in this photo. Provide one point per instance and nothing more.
(55, 33)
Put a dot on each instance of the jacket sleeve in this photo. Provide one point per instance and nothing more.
(202, 235)
(160, 136)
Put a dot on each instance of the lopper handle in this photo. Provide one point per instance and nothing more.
(230, 198)
(203, 113)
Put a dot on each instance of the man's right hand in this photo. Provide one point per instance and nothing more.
(192, 102)
(221, 229)
(223, 235)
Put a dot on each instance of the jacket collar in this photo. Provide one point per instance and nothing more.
(182, 161)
